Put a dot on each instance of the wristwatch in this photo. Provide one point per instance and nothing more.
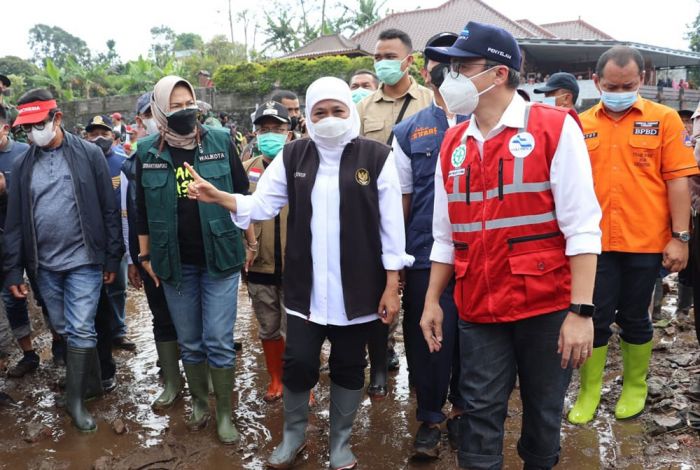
(585, 310)
(681, 236)
(143, 258)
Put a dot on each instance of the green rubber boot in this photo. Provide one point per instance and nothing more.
(589, 392)
(197, 380)
(79, 367)
(222, 380)
(169, 358)
(635, 363)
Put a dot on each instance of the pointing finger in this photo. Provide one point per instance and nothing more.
(192, 171)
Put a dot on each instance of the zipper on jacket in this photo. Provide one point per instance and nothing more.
(529, 238)
(468, 188)
(500, 179)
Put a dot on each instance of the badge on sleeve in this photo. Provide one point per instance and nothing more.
(459, 155)
(521, 145)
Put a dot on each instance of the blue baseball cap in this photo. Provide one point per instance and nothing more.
(482, 40)
(143, 104)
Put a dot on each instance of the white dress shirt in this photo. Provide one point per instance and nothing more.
(327, 297)
(577, 208)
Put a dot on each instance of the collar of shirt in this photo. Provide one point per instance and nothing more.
(412, 90)
(513, 116)
(8, 146)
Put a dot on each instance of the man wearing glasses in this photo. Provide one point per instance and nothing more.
(63, 227)
(516, 222)
(264, 254)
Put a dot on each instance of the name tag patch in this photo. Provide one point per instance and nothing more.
(298, 174)
(590, 135)
(645, 131)
(457, 172)
(155, 166)
(212, 156)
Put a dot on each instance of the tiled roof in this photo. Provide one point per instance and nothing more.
(577, 29)
(422, 24)
(536, 30)
(334, 44)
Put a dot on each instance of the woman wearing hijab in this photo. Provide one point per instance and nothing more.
(345, 247)
(194, 249)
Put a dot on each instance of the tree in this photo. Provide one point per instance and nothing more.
(109, 58)
(52, 42)
(163, 38)
(693, 36)
(188, 41)
(13, 65)
(363, 16)
(284, 34)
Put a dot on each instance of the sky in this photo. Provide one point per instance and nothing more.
(128, 22)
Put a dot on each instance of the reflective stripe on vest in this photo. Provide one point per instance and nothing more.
(517, 187)
(506, 222)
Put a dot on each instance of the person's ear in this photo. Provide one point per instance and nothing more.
(501, 75)
(596, 82)
(58, 119)
(290, 135)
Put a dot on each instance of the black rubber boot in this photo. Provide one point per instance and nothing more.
(79, 366)
(377, 348)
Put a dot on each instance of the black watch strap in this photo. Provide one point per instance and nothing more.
(143, 258)
(585, 310)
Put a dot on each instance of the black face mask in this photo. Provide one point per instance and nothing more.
(437, 75)
(182, 122)
(104, 143)
(293, 123)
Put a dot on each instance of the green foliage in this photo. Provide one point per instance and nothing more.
(56, 44)
(163, 38)
(259, 79)
(13, 65)
(188, 41)
(693, 36)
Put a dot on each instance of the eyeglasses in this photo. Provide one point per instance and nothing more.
(457, 67)
(38, 126)
(276, 130)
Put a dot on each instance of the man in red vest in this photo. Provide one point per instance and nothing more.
(517, 222)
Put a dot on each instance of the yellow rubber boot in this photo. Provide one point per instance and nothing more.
(591, 383)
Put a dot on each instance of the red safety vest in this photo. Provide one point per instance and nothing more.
(510, 260)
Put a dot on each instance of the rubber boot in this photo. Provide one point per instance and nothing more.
(377, 348)
(344, 404)
(197, 381)
(635, 363)
(296, 417)
(169, 358)
(222, 380)
(274, 350)
(685, 299)
(591, 378)
(79, 365)
(93, 384)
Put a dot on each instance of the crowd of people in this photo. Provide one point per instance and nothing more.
(506, 236)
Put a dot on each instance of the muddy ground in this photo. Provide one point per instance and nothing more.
(35, 434)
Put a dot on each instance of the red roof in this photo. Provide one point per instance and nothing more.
(537, 30)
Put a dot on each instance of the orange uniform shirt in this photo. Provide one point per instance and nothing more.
(632, 159)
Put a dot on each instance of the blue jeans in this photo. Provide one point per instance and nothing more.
(116, 293)
(624, 284)
(492, 355)
(71, 298)
(432, 374)
(17, 313)
(204, 315)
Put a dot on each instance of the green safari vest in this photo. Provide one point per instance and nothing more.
(223, 247)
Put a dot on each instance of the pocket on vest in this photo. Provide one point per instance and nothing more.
(160, 258)
(537, 278)
(226, 243)
(461, 289)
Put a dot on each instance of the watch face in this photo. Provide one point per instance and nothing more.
(685, 237)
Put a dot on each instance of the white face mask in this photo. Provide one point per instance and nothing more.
(42, 137)
(150, 125)
(460, 94)
(332, 129)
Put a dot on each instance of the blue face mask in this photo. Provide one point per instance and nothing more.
(550, 100)
(359, 94)
(389, 71)
(618, 102)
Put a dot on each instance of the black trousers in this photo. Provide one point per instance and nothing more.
(624, 285)
(163, 328)
(693, 275)
(303, 349)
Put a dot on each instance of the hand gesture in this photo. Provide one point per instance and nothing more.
(201, 189)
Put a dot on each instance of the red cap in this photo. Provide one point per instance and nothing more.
(130, 129)
(117, 116)
(34, 112)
